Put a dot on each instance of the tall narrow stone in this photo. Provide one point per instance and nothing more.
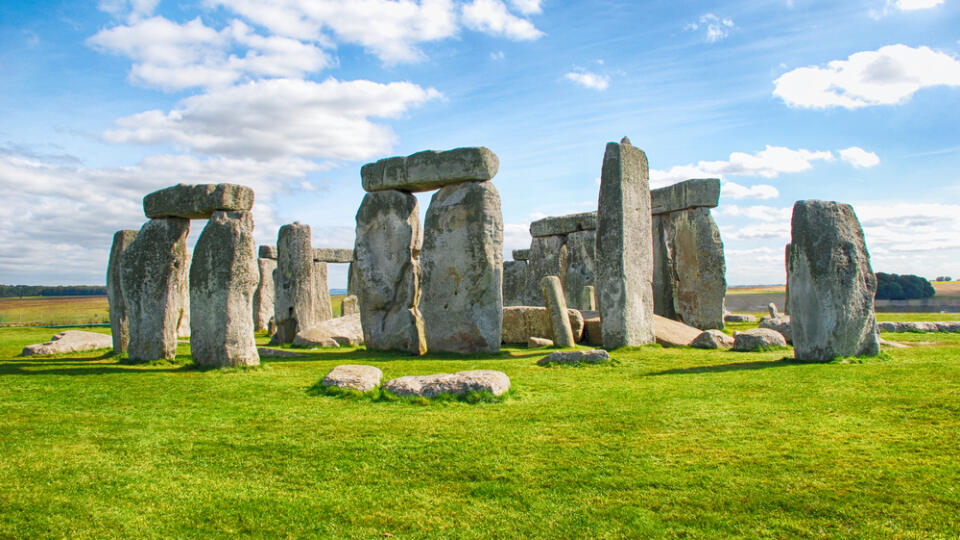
(295, 305)
(183, 321)
(514, 282)
(223, 279)
(832, 285)
(462, 263)
(548, 257)
(349, 306)
(387, 271)
(557, 308)
(324, 304)
(624, 248)
(581, 266)
(588, 298)
(152, 273)
(119, 325)
(264, 296)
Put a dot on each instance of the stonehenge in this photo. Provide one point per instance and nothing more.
(561, 332)
(265, 295)
(296, 297)
(119, 325)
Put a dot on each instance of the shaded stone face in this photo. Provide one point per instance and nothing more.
(183, 325)
(563, 225)
(333, 255)
(264, 297)
(197, 201)
(152, 271)
(119, 326)
(703, 193)
(520, 323)
(581, 268)
(386, 272)
(268, 252)
(324, 303)
(295, 305)
(624, 248)
(349, 306)
(521, 254)
(430, 169)
(223, 277)
(832, 285)
(548, 257)
(514, 281)
(462, 263)
(561, 333)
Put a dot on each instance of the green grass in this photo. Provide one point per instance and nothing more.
(666, 443)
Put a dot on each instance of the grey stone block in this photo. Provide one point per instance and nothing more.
(430, 169)
(197, 201)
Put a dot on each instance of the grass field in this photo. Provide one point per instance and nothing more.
(34, 310)
(665, 443)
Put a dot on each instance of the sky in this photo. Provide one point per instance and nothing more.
(783, 100)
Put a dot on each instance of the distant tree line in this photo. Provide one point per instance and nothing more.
(7, 291)
(905, 287)
(944, 278)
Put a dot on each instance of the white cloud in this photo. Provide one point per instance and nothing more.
(715, 28)
(732, 190)
(858, 157)
(528, 7)
(499, 55)
(588, 79)
(912, 5)
(887, 76)
(492, 17)
(272, 118)
(768, 163)
(515, 236)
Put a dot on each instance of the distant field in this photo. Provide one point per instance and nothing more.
(943, 288)
(38, 310)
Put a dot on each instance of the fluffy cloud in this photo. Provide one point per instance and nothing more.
(770, 162)
(272, 118)
(527, 7)
(858, 157)
(715, 28)
(911, 5)
(887, 76)
(732, 190)
(588, 80)
(492, 17)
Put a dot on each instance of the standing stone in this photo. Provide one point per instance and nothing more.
(548, 257)
(581, 266)
(151, 272)
(324, 304)
(832, 285)
(514, 282)
(264, 296)
(349, 306)
(387, 271)
(352, 287)
(557, 308)
(624, 248)
(119, 325)
(462, 260)
(588, 298)
(295, 305)
(183, 324)
(223, 278)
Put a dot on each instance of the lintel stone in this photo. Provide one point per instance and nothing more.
(268, 252)
(197, 201)
(430, 169)
(561, 225)
(521, 254)
(332, 255)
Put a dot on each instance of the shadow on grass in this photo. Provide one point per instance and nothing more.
(368, 356)
(735, 366)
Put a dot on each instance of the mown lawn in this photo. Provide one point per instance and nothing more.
(666, 443)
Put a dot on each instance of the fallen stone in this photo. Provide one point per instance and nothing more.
(348, 306)
(563, 225)
(514, 282)
(521, 254)
(671, 333)
(581, 269)
(360, 378)
(537, 343)
(343, 331)
(458, 384)
(780, 324)
(713, 339)
(296, 297)
(919, 326)
(430, 169)
(119, 325)
(560, 329)
(949, 326)
(548, 257)
(739, 318)
(279, 353)
(332, 255)
(70, 341)
(197, 201)
(595, 356)
(757, 339)
(265, 295)
(698, 193)
(267, 252)
(523, 322)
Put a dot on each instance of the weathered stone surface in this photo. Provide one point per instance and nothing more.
(348, 306)
(713, 339)
(458, 384)
(387, 271)
(548, 257)
(588, 298)
(70, 341)
(264, 296)
(523, 322)
(563, 225)
(772, 310)
(152, 271)
(624, 248)
(689, 280)
(333, 255)
(739, 318)
(832, 285)
(183, 324)
(430, 169)
(919, 326)
(296, 297)
(536, 342)
(700, 193)
(223, 278)
(781, 324)
(344, 331)
(324, 302)
(521, 254)
(757, 339)
(119, 325)
(360, 378)
(592, 328)
(352, 283)
(560, 329)
(267, 252)
(514, 282)
(596, 356)
(581, 268)
(197, 201)
(671, 333)
(462, 262)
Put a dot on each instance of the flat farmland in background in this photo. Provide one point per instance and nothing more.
(32, 310)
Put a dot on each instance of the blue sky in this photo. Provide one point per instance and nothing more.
(853, 101)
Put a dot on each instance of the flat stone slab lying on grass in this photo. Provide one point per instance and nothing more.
(757, 339)
(457, 384)
(342, 331)
(70, 341)
(780, 323)
(919, 326)
(595, 356)
(430, 169)
(360, 378)
(713, 339)
(671, 333)
(536, 342)
(197, 201)
(739, 317)
(279, 353)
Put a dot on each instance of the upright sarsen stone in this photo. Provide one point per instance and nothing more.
(386, 271)
(562, 333)
(514, 282)
(581, 267)
(462, 262)
(223, 277)
(295, 305)
(832, 285)
(548, 257)
(264, 296)
(624, 248)
(119, 325)
(152, 272)
(324, 303)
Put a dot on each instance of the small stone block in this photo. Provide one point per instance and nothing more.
(268, 252)
(521, 254)
(333, 255)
